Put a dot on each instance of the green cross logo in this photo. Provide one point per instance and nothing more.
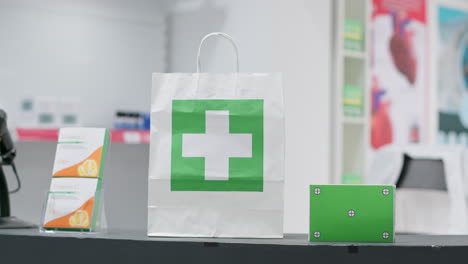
(217, 145)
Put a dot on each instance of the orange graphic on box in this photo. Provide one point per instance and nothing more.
(80, 218)
(88, 168)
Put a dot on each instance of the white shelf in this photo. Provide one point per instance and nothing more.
(361, 55)
(351, 134)
(51, 134)
(354, 120)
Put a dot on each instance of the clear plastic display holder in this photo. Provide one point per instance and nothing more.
(97, 221)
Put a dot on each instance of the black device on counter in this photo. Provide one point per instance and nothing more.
(7, 157)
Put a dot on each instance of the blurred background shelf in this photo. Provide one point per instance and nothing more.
(351, 132)
(354, 120)
(355, 54)
(51, 134)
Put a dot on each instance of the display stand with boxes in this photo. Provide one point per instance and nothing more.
(75, 199)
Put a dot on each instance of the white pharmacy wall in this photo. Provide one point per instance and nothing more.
(103, 52)
(292, 37)
(301, 51)
(249, 22)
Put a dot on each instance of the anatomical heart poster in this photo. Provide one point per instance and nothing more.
(398, 72)
(452, 85)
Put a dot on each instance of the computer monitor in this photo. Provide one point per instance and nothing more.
(418, 173)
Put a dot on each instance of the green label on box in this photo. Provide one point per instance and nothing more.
(217, 145)
(351, 213)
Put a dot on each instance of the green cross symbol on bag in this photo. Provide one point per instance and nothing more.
(217, 145)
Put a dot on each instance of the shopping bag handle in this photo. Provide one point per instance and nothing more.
(217, 34)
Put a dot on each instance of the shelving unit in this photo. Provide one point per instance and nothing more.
(354, 54)
(117, 135)
(351, 133)
(353, 120)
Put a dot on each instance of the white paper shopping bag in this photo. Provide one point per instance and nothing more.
(216, 154)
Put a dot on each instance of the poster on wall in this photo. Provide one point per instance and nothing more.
(398, 72)
(452, 83)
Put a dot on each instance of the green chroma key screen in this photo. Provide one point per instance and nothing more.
(352, 213)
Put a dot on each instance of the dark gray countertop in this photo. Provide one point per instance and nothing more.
(125, 246)
(401, 240)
